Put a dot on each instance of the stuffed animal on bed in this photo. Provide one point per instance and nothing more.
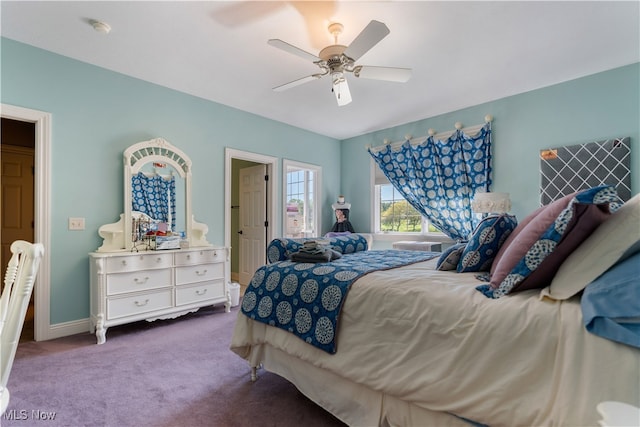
(341, 211)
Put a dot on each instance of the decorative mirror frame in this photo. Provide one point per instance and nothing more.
(156, 150)
(117, 236)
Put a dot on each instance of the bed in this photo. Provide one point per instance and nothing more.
(426, 344)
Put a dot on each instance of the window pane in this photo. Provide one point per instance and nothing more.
(300, 220)
(396, 214)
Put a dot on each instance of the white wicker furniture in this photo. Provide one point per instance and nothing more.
(18, 286)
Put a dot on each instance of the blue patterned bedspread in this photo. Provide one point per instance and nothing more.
(305, 299)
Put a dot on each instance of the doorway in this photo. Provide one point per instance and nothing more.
(41, 121)
(235, 161)
(17, 154)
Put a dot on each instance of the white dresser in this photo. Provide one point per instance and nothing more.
(130, 286)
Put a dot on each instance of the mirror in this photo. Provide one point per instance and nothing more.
(151, 169)
(158, 191)
(157, 187)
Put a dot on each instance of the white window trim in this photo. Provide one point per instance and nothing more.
(317, 190)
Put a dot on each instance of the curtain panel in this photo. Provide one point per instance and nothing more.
(155, 196)
(440, 177)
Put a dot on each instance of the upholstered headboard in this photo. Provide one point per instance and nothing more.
(565, 170)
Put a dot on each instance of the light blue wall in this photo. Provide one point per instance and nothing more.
(96, 114)
(601, 106)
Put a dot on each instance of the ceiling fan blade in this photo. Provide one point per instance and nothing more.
(391, 74)
(292, 49)
(341, 91)
(297, 82)
(368, 38)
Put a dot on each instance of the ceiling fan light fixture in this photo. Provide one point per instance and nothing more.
(341, 89)
(337, 59)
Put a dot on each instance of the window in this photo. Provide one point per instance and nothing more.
(393, 214)
(301, 195)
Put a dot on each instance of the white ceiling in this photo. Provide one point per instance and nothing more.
(462, 53)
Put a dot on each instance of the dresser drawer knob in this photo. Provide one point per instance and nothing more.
(201, 273)
(189, 256)
(141, 304)
(141, 281)
(201, 291)
(124, 262)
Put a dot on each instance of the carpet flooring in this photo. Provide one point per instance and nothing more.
(166, 373)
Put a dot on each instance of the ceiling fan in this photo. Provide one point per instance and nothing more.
(336, 60)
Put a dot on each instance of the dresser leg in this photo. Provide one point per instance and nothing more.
(101, 331)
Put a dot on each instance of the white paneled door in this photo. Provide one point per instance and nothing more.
(253, 221)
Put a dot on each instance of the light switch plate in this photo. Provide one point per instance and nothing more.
(76, 223)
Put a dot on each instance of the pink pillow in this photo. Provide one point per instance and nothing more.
(514, 234)
(585, 219)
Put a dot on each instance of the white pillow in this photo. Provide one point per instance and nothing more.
(597, 253)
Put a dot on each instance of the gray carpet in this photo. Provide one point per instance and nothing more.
(167, 373)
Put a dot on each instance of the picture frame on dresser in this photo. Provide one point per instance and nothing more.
(131, 282)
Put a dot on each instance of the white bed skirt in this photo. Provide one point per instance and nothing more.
(353, 404)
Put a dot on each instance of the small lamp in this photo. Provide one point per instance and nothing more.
(486, 203)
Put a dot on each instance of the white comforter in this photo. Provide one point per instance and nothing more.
(429, 338)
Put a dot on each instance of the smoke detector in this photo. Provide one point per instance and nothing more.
(101, 27)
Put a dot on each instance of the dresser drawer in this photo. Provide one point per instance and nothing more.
(118, 283)
(138, 304)
(204, 256)
(202, 292)
(136, 262)
(199, 273)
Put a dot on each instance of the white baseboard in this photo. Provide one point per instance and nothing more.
(65, 329)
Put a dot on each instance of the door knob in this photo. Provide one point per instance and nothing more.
(239, 231)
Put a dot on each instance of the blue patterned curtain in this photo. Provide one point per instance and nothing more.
(439, 178)
(155, 196)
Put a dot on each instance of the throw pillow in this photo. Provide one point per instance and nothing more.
(280, 249)
(611, 303)
(485, 242)
(598, 252)
(450, 257)
(513, 236)
(548, 239)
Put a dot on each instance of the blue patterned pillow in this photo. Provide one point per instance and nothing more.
(280, 249)
(450, 257)
(485, 242)
(579, 215)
